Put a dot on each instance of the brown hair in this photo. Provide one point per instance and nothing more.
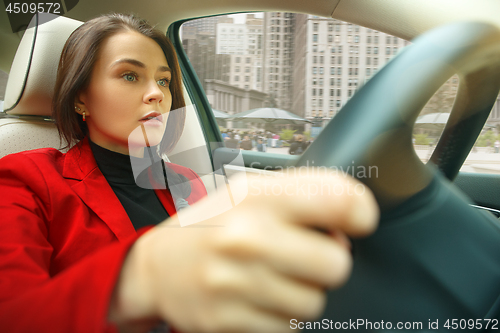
(75, 68)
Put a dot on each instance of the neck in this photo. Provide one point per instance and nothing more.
(135, 151)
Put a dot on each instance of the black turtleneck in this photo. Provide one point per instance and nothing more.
(142, 205)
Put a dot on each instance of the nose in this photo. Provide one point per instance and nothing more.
(153, 93)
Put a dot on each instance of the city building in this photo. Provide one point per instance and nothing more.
(494, 118)
(278, 58)
(243, 42)
(332, 60)
(232, 38)
(200, 49)
(207, 24)
(305, 64)
(228, 62)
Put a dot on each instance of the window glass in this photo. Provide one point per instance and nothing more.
(432, 119)
(284, 57)
(485, 155)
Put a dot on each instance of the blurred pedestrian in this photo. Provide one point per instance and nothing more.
(269, 137)
(276, 137)
(254, 137)
(246, 144)
(298, 146)
(260, 145)
(231, 142)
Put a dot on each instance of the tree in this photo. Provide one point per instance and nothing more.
(486, 139)
(443, 99)
(287, 134)
(421, 139)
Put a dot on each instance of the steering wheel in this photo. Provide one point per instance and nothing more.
(433, 256)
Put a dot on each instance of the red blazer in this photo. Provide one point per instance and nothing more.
(63, 237)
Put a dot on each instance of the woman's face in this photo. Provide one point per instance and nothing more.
(128, 98)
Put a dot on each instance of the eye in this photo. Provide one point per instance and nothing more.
(164, 82)
(130, 77)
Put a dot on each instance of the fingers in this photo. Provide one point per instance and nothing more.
(269, 225)
(317, 198)
(256, 266)
(302, 253)
(313, 198)
(256, 283)
(242, 317)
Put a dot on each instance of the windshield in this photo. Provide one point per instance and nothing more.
(309, 67)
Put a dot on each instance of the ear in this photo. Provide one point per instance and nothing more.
(80, 106)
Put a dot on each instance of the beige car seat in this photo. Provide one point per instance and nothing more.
(30, 86)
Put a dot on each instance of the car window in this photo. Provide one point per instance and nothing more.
(432, 119)
(309, 66)
(306, 65)
(485, 155)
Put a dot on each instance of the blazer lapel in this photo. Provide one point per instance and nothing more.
(94, 190)
(167, 201)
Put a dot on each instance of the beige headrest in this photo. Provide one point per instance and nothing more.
(32, 77)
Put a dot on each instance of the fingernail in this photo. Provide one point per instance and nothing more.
(364, 215)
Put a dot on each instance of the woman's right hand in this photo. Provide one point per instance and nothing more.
(252, 268)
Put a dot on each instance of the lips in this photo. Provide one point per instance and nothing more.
(152, 118)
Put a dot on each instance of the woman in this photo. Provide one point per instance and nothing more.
(77, 251)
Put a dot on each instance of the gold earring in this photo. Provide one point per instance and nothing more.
(83, 115)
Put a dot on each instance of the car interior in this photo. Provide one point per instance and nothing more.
(435, 255)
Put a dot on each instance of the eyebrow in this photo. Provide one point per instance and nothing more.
(139, 64)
